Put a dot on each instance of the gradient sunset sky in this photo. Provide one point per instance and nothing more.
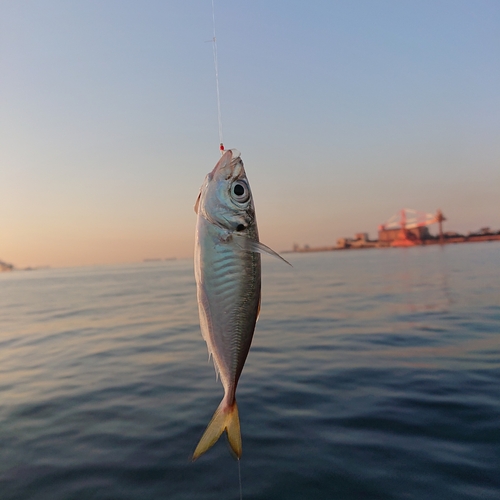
(344, 113)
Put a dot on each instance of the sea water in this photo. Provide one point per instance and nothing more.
(373, 374)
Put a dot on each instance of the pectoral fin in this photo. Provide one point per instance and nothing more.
(249, 245)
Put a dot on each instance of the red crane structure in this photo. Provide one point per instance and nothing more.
(409, 227)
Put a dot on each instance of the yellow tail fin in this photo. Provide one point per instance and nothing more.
(225, 419)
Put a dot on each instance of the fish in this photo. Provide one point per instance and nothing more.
(227, 266)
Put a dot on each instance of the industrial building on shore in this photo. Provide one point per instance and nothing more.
(406, 229)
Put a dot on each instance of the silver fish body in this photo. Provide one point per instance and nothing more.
(228, 278)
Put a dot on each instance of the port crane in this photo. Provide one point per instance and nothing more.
(408, 219)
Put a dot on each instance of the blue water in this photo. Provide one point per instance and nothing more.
(374, 374)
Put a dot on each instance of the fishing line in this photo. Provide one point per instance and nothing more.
(219, 116)
(221, 148)
(239, 477)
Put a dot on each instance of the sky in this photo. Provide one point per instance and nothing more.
(344, 112)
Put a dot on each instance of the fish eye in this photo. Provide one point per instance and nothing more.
(240, 192)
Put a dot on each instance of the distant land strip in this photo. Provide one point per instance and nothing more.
(409, 239)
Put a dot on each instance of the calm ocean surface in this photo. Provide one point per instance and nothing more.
(373, 374)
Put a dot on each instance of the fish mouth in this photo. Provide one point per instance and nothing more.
(227, 165)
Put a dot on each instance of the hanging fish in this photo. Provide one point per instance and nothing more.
(227, 270)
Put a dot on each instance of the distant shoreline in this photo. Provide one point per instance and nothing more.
(5, 267)
(447, 240)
